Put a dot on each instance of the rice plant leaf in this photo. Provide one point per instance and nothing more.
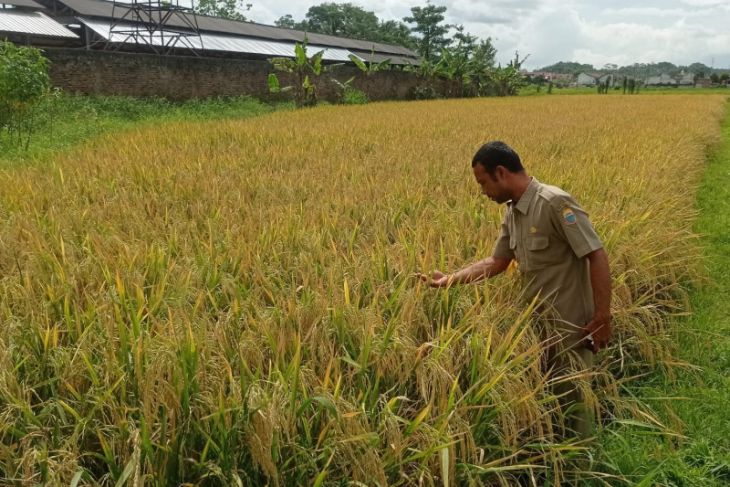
(127, 472)
(76, 478)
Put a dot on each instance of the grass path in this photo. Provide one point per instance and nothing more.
(702, 401)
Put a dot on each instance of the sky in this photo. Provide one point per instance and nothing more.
(597, 32)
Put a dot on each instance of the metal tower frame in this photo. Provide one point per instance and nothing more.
(147, 22)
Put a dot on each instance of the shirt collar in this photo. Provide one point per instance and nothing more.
(524, 203)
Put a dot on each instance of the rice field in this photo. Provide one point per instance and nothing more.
(232, 302)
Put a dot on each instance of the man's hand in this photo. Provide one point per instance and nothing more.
(436, 279)
(598, 332)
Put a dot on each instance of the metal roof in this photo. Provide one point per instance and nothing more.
(32, 23)
(371, 57)
(213, 42)
(22, 3)
(102, 8)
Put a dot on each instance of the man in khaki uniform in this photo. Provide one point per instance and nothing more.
(561, 261)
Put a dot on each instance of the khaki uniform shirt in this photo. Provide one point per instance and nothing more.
(549, 235)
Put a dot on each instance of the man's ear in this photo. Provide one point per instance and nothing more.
(500, 172)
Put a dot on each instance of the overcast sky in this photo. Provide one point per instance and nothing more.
(591, 31)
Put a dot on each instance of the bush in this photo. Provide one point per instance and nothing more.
(24, 83)
(353, 96)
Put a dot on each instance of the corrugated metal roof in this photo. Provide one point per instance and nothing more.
(212, 42)
(32, 23)
(23, 3)
(101, 8)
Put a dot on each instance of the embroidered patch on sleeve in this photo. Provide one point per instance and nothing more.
(569, 217)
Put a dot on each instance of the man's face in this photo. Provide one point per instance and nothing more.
(492, 187)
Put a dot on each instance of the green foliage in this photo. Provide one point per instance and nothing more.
(602, 87)
(63, 120)
(469, 62)
(636, 70)
(369, 67)
(340, 19)
(506, 81)
(305, 69)
(430, 30)
(353, 96)
(568, 68)
(24, 83)
(698, 396)
(352, 21)
(286, 22)
(226, 9)
(350, 95)
(632, 87)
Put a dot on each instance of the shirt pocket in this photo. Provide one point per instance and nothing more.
(538, 252)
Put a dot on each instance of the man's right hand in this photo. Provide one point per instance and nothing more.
(436, 279)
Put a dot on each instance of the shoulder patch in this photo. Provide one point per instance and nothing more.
(569, 217)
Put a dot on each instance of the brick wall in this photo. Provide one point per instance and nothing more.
(180, 78)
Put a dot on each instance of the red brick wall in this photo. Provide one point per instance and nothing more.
(179, 78)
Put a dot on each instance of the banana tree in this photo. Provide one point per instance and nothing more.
(370, 67)
(305, 69)
(507, 81)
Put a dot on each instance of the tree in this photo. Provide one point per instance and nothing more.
(340, 19)
(394, 32)
(507, 81)
(305, 69)
(24, 84)
(699, 69)
(226, 9)
(568, 68)
(369, 67)
(467, 61)
(430, 30)
(286, 21)
(348, 20)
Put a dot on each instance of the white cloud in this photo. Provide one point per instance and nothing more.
(627, 31)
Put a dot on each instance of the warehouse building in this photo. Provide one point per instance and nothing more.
(162, 27)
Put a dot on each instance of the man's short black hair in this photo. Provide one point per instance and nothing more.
(497, 153)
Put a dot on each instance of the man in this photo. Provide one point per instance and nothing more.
(561, 261)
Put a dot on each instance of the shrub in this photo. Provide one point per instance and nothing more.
(24, 82)
(353, 96)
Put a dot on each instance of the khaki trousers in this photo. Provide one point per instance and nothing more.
(568, 364)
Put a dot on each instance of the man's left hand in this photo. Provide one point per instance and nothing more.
(599, 329)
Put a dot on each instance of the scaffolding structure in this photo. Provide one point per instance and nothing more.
(162, 25)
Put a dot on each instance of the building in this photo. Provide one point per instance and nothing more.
(661, 80)
(686, 79)
(587, 79)
(556, 78)
(170, 28)
(25, 22)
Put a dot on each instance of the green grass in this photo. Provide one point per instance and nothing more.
(702, 457)
(69, 120)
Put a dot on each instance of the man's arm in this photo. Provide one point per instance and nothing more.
(484, 269)
(600, 326)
